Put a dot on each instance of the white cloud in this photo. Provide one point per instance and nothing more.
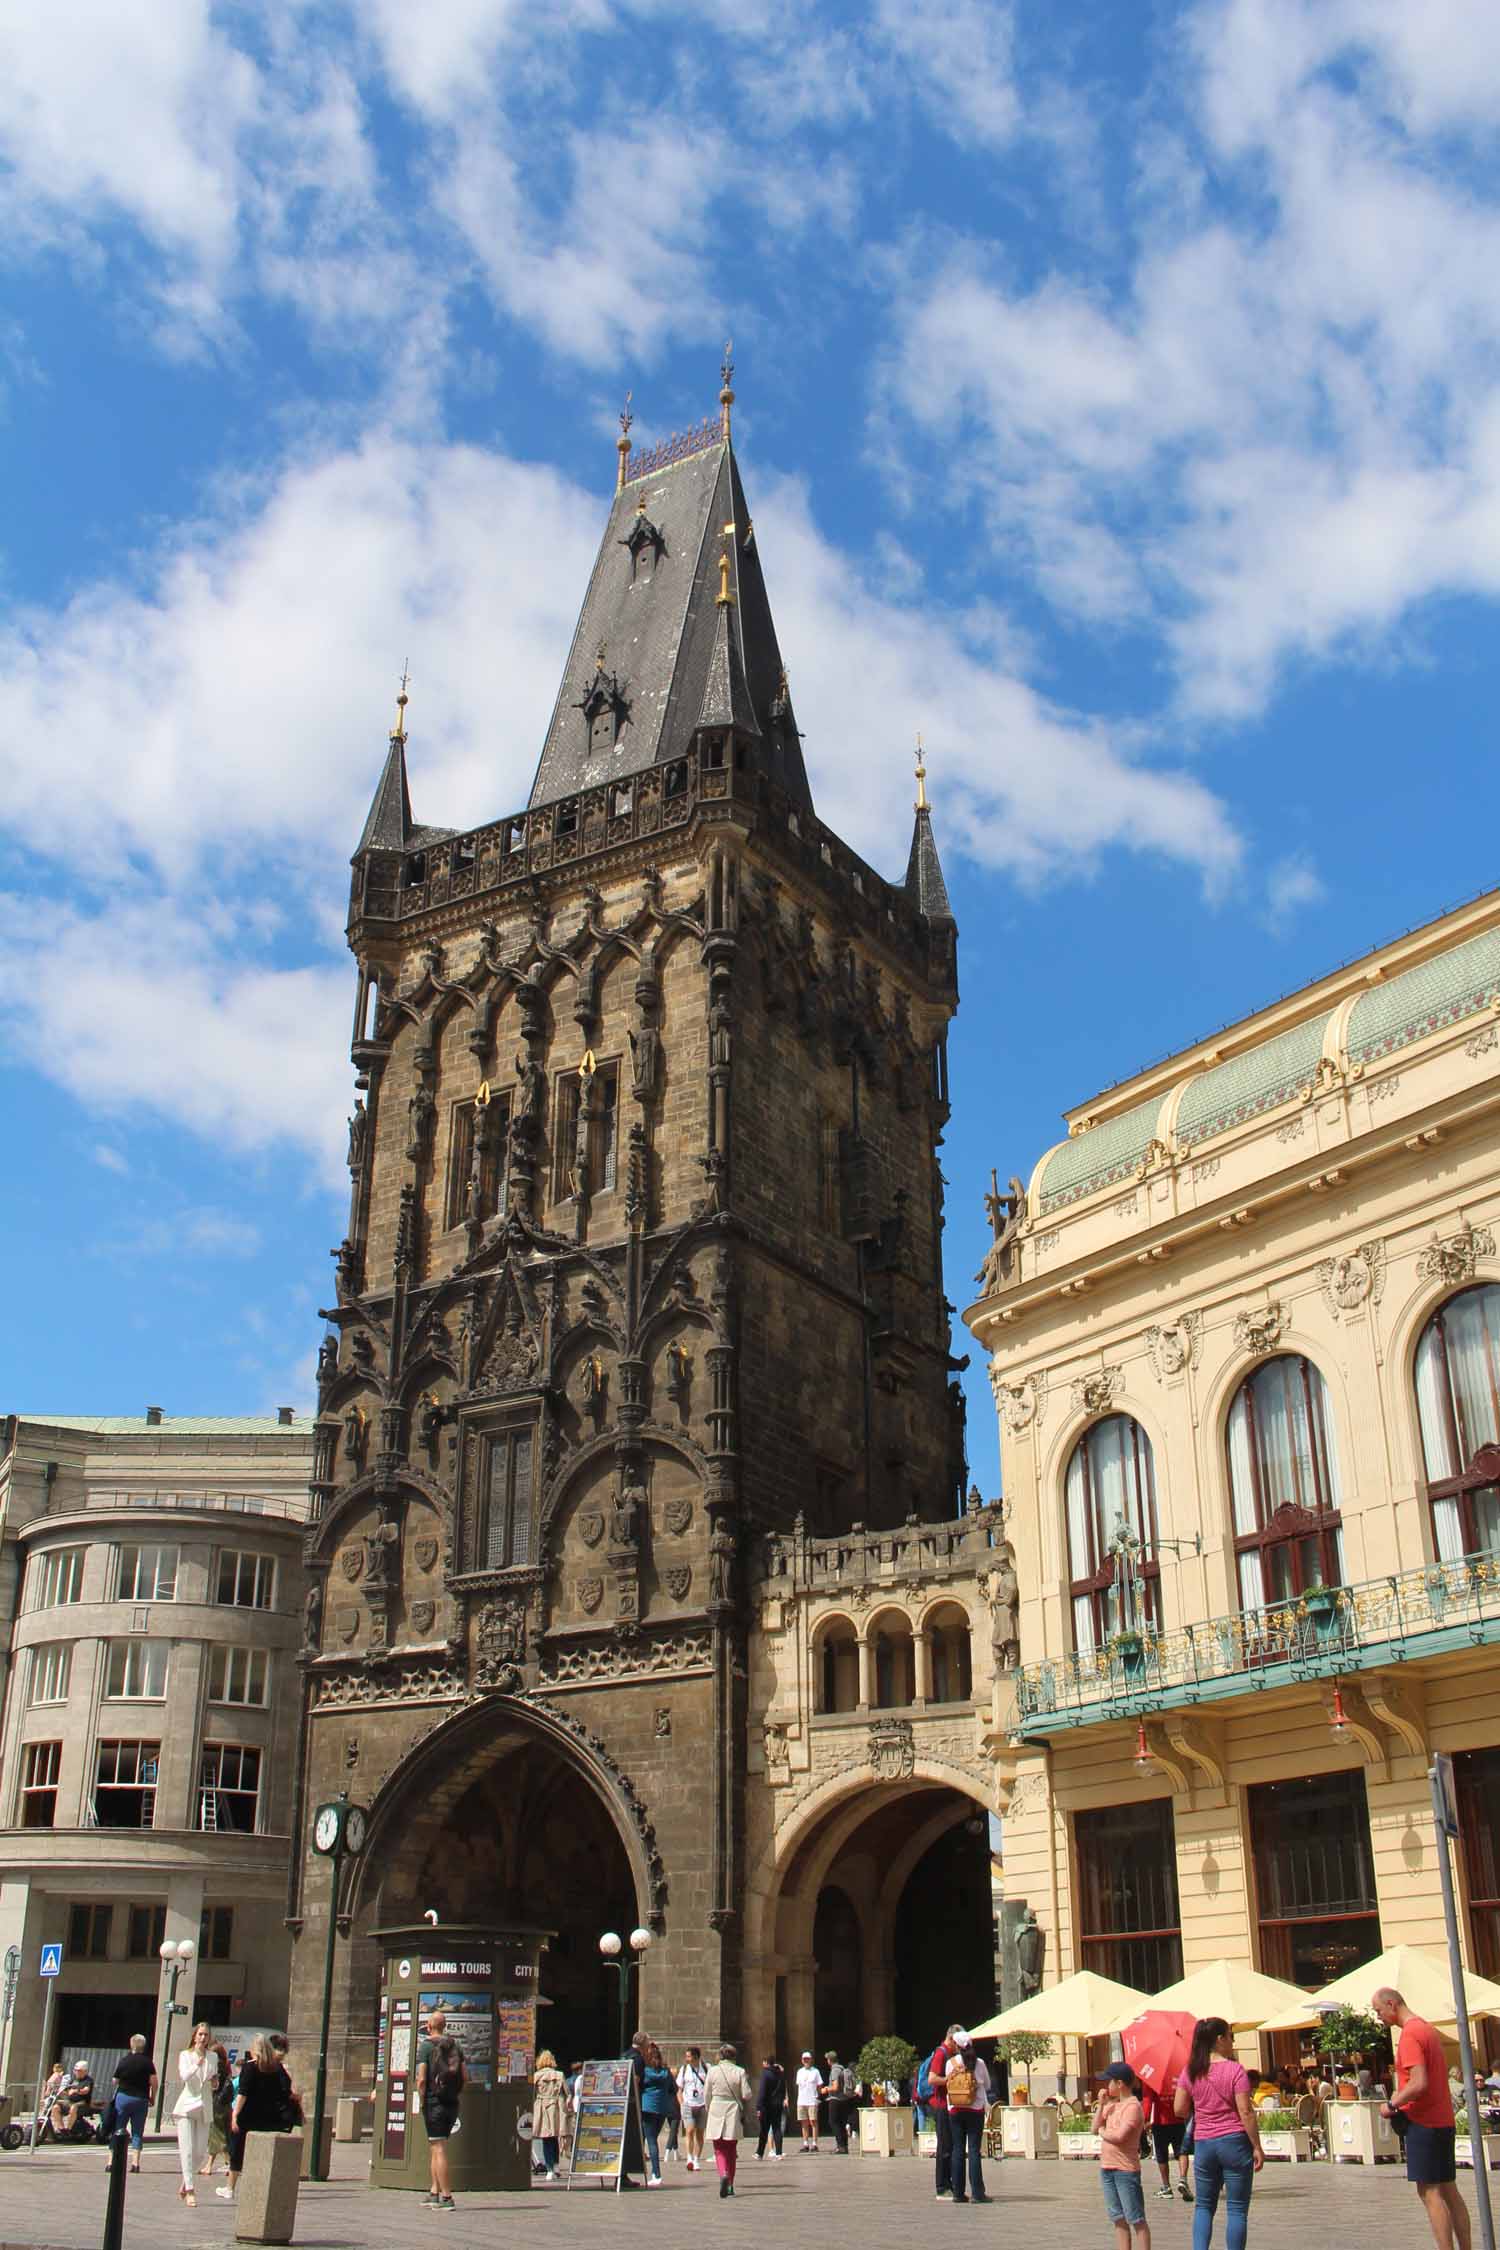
(1292, 884)
(110, 1159)
(1280, 435)
(959, 55)
(193, 1232)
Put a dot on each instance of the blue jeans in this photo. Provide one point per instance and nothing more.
(966, 2126)
(652, 2122)
(131, 2110)
(1226, 2161)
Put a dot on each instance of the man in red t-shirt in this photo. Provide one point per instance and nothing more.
(1423, 2100)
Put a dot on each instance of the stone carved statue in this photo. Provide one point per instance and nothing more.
(421, 1116)
(358, 1127)
(312, 1615)
(1005, 1609)
(625, 1514)
(531, 1091)
(380, 1554)
(721, 1565)
(1007, 1215)
(1031, 1952)
(328, 1361)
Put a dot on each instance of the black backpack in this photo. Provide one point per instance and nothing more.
(445, 2078)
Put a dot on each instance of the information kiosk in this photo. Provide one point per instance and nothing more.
(485, 1982)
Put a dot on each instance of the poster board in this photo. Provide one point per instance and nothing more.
(515, 2038)
(470, 2025)
(398, 2099)
(607, 2099)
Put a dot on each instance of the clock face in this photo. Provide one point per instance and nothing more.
(354, 1829)
(326, 1828)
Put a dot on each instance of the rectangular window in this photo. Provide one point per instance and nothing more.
(137, 1671)
(830, 1177)
(246, 1581)
(216, 1934)
(1128, 1915)
(148, 1928)
(1314, 1876)
(586, 1161)
(51, 1664)
(88, 1930)
(55, 1578)
(564, 1136)
(1478, 1775)
(125, 1784)
(147, 1574)
(238, 1675)
(505, 1520)
(229, 1787)
(41, 1763)
(491, 1127)
(604, 1105)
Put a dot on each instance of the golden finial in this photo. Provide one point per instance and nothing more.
(726, 386)
(622, 442)
(726, 599)
(482, 1098)
(588, 1065)
(398, 731)
(921, 804)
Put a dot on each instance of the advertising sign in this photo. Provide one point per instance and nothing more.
(606, 2099)
(397, 2102)
(515, 2037)
(470, 2025)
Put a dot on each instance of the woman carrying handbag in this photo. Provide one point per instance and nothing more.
(198, 2070)
(729, 2096)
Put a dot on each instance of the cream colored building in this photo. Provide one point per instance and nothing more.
(1245, 1347)
(151, 1615)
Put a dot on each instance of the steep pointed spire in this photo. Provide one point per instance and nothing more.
(726, 699)
(925, 886)
(388, 827)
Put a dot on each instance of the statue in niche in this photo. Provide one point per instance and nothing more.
(358, 1127)
(531, 1091)
(312, 1615)
(645, 1049)
(1005, 1609)
(625, 1515)
(380, 1554)
(421, 1114)
(721, 1565)
(355, 1427)
(1031, 1952)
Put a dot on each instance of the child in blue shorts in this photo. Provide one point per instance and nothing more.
(1119, 2121)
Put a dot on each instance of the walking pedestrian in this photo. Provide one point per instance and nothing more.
(1226, 2137)
(728, 2099)
(937, 2103)
(262, 2104)
(1422, 2098)
(218, 2124)
(197, 2073)
(1168, 2132)
(843, 2100)
(770, 2106)
(809, 2094)
(549, 2091)
(440, 2085)
(1119, 2120)
(135, 2090)
(658, 2101)
(692, 2080)
(966, 2084)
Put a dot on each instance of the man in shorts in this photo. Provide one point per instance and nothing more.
(1168, 2131)
(440, 2078)
(1423, 2101)
(809, 2094)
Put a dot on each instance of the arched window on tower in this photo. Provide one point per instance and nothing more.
(947, 1632)
(1114, 1575)
(895, 1663)
(1458, 1404)
(836, 1667)
(1284, 1483)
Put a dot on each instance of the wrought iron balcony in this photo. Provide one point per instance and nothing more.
(1416, 1613)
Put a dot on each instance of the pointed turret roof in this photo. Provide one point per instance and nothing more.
(925, 886)
(389, 825)
(681, 658)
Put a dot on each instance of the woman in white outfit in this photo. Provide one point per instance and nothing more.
(198, 2069)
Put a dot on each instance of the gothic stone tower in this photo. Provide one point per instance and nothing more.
(643, 1265)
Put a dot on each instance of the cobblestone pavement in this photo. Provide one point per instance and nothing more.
(55, 2201)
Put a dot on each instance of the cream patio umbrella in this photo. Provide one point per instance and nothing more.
(1422, 1979)
(1084, 2006)
(1233, 1990)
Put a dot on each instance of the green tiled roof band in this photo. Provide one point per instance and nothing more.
(1260, 1079)
(1108, 1152)
(1437, 992)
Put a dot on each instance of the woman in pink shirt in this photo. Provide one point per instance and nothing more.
(1226, 2138)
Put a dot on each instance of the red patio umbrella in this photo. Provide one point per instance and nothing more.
(1156, 2044)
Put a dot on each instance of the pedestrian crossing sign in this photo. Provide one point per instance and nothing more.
(51, 1960)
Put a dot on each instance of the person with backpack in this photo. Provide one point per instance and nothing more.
(935, 2071)
(658, 2104)
(770, 2103)
(966, 2082)
(843, 2100)
(440, 2084)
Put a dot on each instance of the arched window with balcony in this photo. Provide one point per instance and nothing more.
(1284, 1483)
(1458, 1405)
(1114, 1575)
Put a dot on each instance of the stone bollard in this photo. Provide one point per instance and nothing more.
(265, 2203)
(306, 2137)
(352, 2117)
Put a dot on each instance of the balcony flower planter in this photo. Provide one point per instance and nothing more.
(1322, 1601)
(1129, 1652)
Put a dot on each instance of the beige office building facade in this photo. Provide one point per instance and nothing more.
(151, 1615)
(1244, 1332)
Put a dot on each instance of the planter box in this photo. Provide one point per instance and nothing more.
(1078, 2144)
(1031, 2133)
(884, 2132)
(1294, 2146)
(1358, 2134)
(1463, 2150)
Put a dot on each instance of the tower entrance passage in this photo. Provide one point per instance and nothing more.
(509, 1830)
(883, 1921)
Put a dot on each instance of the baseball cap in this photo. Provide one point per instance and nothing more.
(1119, 2070)
(960, 2038)
(807, 2054)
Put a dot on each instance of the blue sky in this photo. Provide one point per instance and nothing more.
(1117, 405)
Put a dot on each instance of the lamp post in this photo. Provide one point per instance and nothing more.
(175, 1958)
(337, 1828)
(617, 1959)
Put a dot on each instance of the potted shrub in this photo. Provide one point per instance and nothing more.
(885, 2130)
(1344, 2034)
(1281, 2135)
(1021, 2050)
(1463, 2143)
(1129, 1652)
(1076, 2136)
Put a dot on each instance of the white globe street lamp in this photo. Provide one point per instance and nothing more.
(175, 1956)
